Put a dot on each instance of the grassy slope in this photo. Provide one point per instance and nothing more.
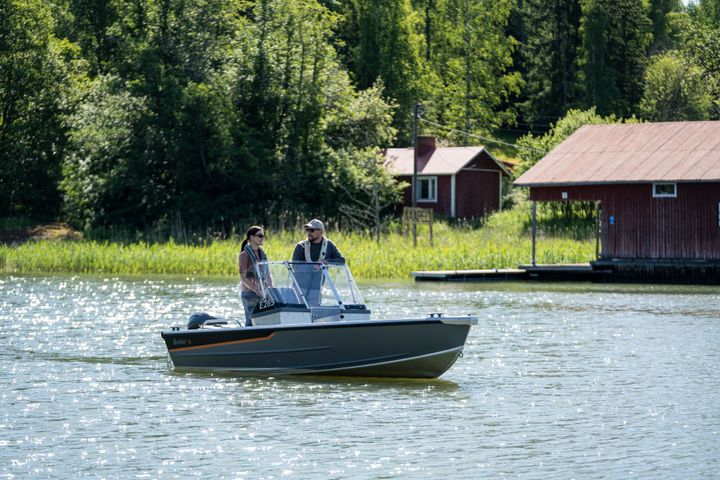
(503, 242)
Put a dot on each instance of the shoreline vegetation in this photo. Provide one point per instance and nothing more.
(503, 242)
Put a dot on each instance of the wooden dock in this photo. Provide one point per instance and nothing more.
(694, 272)
(491, 275)
(573, 272)
(581, 272)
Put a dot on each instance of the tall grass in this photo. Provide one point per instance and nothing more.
(503, 242)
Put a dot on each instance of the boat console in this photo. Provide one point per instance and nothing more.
(307, 292)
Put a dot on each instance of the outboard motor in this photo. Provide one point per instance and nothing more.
(196, 320)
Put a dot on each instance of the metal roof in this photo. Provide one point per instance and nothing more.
(631, 153)
(441, 161)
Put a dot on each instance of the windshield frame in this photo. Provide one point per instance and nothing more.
(355, 298)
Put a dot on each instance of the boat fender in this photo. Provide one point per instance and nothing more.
(197, 319)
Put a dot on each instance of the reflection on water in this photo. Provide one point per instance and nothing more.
(557, 380)
(332, 382)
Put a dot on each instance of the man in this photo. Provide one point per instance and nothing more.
(317, 248)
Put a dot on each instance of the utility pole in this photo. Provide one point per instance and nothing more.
(467, 72)
(416, 118)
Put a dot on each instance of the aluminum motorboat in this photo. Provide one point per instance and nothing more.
(312, 319)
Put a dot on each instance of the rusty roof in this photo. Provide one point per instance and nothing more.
(440, 161)
(624, 153)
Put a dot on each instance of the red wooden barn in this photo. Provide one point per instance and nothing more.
(658, 185)
(458, 182)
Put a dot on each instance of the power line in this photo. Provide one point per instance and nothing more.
(487, 139)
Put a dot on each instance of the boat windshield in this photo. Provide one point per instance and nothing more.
(308, 284)
(342, 279)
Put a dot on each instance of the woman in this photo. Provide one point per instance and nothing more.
(251, 253)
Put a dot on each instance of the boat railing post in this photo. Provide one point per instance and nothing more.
(338, 299)
(299, 290)
(357, 298)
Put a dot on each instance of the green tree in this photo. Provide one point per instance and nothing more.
(597, 78)
(88, 23)
(615, 38)
(549, 57)
(293, 83)
(660, 11)
(174, 55)
(218, 109)
(355, 135)
(701, 45)
(35, 93)
(470, 80)
(383, 42)
(104, 179)
(706, 12)
(674, 90)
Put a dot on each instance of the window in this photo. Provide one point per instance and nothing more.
(665, 190)
(427, 189)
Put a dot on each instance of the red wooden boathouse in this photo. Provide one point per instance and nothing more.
(658, 185)
(458, 182)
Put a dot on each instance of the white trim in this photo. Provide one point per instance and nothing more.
(432, 179)
(497, 162)
(655, 194)
(453, 209)
(500, 192)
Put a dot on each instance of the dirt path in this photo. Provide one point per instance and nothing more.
(49, 231)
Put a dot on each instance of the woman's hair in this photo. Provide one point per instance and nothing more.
(250, 232)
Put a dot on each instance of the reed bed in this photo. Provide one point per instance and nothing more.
(502, 243)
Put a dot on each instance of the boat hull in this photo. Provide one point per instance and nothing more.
(421, 348)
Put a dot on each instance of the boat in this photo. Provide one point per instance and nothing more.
(312, 320)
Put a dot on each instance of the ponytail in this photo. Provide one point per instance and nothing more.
(250, 232)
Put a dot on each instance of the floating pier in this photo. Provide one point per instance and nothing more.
(605, 271)
(565, 272)
(491, 275)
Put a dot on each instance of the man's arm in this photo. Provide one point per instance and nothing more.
(333, 254)
(298, 253)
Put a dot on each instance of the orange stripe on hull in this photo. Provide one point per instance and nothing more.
(248, 340)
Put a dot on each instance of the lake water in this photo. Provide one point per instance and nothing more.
(557, 381)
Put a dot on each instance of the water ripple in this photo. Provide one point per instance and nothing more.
(569, 381)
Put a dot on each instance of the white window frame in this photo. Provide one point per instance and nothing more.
(432, 187)
(664, 195)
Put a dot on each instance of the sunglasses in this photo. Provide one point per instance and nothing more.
(310, 230)
(260, 235)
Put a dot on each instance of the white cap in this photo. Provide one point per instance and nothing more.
(315, 224)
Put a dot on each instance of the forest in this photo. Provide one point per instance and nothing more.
(143, 114)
